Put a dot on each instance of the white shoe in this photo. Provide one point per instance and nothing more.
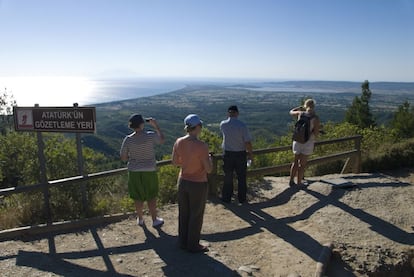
(158, 222)
(140, 222)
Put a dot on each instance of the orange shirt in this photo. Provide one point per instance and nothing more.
(188, 153)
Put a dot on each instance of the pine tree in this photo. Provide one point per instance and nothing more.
(359, 112)
(403, 121)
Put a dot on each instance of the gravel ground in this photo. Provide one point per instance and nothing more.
(281, 232)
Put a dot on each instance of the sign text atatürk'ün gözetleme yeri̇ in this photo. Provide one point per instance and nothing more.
(51, 119)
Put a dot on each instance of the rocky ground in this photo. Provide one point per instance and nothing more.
(281, 232)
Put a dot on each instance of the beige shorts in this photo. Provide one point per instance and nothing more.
(303, 148)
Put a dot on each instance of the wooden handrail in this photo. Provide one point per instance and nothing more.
(259, 171)
(353, 159)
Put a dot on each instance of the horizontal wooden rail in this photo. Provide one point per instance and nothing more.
(72, 180)
(270, 170)
(63, 226)
(353, 159)
(289, 147)
(254, 172)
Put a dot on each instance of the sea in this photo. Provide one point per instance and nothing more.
(110, 90)
(65, 91)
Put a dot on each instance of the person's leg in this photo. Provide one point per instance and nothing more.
(134, 183)
(303, 160)
(241, 168)
(294, 170)
(228, 169)
(197, 202)
(183, 214)
(139, 207)
(150, 180)
(152, 207)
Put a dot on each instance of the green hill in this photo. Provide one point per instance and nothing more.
(265, 112)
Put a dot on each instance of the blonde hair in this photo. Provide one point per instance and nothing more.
(310, 104)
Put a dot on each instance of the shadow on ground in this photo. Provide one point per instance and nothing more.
(176, 262)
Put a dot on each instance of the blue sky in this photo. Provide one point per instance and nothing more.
(349, 40)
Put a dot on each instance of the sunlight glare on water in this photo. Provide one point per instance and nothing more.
(48, 90)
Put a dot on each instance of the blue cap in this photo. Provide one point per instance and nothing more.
(192, 120)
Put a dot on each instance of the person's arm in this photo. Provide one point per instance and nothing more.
(160, 134)
(248, 143)
(207, 162)
(296, 111)
(175, 158)
(249, 149)
(124, 152)
(316, 126)
(124, 157)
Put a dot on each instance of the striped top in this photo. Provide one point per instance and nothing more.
(140, 150)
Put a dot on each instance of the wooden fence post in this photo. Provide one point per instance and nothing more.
(43, 175)
(213, 178)
(357, 164)
(81, 171)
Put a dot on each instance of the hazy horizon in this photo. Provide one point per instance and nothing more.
(64, 91)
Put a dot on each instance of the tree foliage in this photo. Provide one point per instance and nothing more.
(19, 166)
(6, 109)
(359, 112)
(18, 159)
(402, 122)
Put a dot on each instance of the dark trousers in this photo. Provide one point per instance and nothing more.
(192, 198)
(234, 162)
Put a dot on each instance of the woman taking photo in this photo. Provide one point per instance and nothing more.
(138, 150)
(303, 148)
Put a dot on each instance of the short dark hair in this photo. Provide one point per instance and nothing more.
(135, 121)
(233, 109)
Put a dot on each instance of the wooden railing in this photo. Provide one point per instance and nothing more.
(352, 159)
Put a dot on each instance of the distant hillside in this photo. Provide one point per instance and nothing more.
(264, 110)
(331, 86)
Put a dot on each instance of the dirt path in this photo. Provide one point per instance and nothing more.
(282, 231)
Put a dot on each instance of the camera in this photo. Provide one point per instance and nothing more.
(148, 119)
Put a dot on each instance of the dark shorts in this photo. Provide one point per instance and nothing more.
(143, 186)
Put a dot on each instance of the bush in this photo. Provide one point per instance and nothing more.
(390, 156)
(167, 176)
(19, 166)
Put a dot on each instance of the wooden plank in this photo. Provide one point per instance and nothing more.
(347, 166)
(286, 167)
(338, 182)
(108, 173)
(61, 226)
(323, 260)
(356, 154)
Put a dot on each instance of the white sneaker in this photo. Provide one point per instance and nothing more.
(140, 222)
(158, 222)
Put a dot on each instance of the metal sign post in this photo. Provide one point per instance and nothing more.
(43, 176)
(81, 170)
(56, 119)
